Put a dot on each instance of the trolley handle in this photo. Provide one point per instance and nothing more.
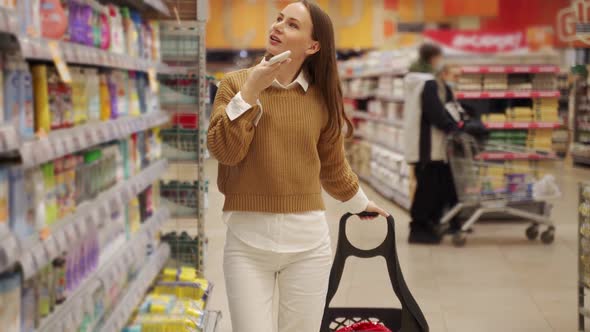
(348, 249)
(413, 319)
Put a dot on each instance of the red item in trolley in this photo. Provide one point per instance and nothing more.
(365, 327)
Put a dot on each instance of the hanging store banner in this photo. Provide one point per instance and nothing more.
(568, 18)
(478, 42)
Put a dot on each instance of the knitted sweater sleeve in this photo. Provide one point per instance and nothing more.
(227, 140)
(336, 175)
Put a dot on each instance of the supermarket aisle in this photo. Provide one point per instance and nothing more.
(499, 280)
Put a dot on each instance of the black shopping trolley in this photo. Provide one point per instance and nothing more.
(407, 319)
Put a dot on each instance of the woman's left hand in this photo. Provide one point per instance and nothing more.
(372, 207)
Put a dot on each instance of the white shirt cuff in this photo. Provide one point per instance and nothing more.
(358, 203)
(238, 106)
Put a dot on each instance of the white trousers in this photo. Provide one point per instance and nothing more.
(251, 275)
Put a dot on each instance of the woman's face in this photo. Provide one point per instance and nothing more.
(292, 31)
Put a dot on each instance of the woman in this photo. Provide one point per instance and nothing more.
(276, 131)
(427, 124)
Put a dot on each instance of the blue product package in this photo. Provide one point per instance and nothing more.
(18, 205)
(11, 93)
(26, 101)
(136, 18)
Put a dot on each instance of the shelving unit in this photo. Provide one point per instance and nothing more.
(581, 140)
(374, 99)
(185, 97)
(106, 217)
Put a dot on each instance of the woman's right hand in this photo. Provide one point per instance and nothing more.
(260, 78)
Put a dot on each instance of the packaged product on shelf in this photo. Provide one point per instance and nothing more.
(18, 208)
(117, 40)
(59, 275)
(4, 202)
(105, 97)
(54, 19)
(10, 289)
(27, 115)
(133, 215)
(79, 95)
(28, 306)
(60, 101)
(45, 291)
(60, 187)
(155, 30)
(80, 20)
(120, 82)
(131, 34)
(93, 88)
(43, 119)
(104, 30)
(49, 183)
(142, 91)
(30, 11)
(138, 26)
(12, 76)
(133, 93)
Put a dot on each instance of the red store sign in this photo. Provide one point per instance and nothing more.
(567, 18)
(478, 42)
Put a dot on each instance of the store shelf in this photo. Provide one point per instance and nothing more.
(158, 5)
(388, 192)
(506, 94)
(39, 49)
(383, 145)
(510, 69)
(373, 74)
(67, 141)
(360, 96)
(366, 116)
(136, 291)
(515, 156)
(390, 99)
(33, 253)
(582, 160)
(522, 125)
(118, 255)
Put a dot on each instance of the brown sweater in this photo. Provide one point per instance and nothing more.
(281, 164)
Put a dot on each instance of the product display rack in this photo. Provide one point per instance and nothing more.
(373, 99)
(129, 256)
(528, 97)
(581, 140)
(583, 253)
(185, 97)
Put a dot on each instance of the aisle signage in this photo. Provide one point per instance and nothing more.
(478, 42)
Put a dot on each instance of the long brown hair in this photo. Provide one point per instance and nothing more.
(322, 70)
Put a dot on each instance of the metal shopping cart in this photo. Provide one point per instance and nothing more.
(485, 184)
(408, 319)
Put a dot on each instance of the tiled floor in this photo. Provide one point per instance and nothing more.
(499, 282)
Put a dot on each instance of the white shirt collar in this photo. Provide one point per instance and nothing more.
(301, 80)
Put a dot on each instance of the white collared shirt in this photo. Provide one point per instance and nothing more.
(278, 232)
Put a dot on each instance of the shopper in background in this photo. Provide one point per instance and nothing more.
(276, 131)
(427, 124)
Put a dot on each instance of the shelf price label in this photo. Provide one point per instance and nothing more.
(62, 67)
